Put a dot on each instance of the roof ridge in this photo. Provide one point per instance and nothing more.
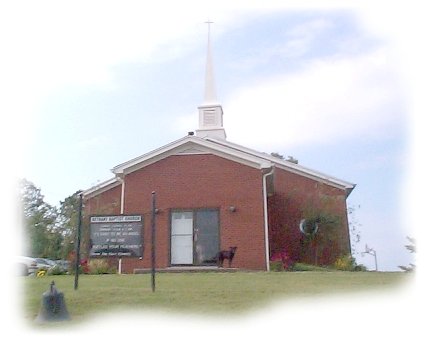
(222, 148)
(280, 161)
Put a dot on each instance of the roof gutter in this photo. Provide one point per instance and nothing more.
(267, 243)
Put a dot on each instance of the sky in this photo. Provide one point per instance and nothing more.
(87, 85)
(90, 85)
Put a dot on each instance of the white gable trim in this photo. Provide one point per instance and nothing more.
(190, 144)
(291, 167)
(194, 145)
(101, 187)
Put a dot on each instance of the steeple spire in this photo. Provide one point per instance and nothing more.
(210, 92)
(210, 112)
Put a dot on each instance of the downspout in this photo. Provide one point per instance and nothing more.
(122, 198)
(267, 243)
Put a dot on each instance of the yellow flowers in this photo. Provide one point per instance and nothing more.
(41, 273)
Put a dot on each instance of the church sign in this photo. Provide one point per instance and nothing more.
(116, 236)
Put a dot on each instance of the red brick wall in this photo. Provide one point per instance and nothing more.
(293, 195)
(194, 182)
(107, 203)
(209, 181)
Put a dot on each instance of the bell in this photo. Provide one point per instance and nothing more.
(53, 306)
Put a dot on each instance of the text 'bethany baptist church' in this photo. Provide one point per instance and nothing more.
(212, 194)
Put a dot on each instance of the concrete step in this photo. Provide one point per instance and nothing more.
(186, 269)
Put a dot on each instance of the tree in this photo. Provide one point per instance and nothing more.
(412, 248)
(39, 220)
(68, 223)
(289, 158)
(353, 228)
(320, 231)
(322, 227)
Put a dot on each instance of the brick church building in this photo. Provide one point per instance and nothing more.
(212, 194)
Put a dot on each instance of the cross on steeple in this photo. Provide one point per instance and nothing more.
(209, 22)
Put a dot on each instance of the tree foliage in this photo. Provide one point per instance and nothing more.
(412, 248)
(353, 228)
(39, 219)
(68, 222)
(289, 158)
(319, 211)
(51, 231)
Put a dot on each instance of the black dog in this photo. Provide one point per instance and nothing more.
(225, 255)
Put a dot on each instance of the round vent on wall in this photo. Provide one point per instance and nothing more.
(308, 227)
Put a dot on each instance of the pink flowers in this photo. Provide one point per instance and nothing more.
(83, 265)
(282, 260)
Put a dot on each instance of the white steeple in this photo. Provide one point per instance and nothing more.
(210, 112)
(210, 95)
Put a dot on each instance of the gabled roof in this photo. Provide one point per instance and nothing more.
(101, 187)
(292, 167)
(191, 145)
(221, 148)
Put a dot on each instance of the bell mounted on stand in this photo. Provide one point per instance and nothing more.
(53, 306)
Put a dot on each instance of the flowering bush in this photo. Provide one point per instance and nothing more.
(281, 261)
(83, 265)
(348, 263)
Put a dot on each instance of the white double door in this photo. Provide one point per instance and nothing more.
(194, 237)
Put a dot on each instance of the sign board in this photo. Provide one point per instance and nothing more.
(116, 236)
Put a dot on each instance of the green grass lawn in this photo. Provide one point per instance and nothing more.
(206, 293)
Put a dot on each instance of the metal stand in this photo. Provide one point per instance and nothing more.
(153, 243)
(372, 252)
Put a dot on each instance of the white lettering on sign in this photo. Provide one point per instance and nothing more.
(121, 218)
(116, 235)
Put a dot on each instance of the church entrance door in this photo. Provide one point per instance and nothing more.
(195, 237)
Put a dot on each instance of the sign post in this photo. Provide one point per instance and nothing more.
(78, 243)
(153, 243)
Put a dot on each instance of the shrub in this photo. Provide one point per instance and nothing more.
(348, 263)
(281, 261)
(83, 267)
(56, 270)
(304, 267)
(360, 268)
(99, 266)
(345, 262)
